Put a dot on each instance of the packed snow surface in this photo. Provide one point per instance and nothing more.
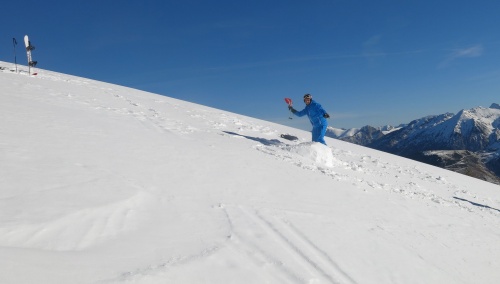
(105, 184)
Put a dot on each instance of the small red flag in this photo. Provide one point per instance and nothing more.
(288, 101)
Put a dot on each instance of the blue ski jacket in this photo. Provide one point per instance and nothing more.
(315, 114)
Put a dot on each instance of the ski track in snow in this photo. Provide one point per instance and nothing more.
(291, 247)
(160, 119)
(294, 257)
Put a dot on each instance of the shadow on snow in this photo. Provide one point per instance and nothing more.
(477, 204)
(264, 141)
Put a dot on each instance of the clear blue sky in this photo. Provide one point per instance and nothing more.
(367, 62)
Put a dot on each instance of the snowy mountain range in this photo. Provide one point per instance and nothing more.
(362, 136)
(445, 140)
(103, 184)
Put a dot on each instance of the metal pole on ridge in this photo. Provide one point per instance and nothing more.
(14, 42)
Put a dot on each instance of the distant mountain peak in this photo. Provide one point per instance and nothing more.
(495, 105)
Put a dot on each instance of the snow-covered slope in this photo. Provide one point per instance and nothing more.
(105, 184)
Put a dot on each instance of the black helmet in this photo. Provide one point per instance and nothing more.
(308, 96)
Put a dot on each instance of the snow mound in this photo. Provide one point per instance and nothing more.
(81, 229)
(308, 155)
(318, 153)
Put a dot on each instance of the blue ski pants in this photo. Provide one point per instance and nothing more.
(318, 134)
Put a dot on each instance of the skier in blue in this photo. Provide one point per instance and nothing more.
(317, 116)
